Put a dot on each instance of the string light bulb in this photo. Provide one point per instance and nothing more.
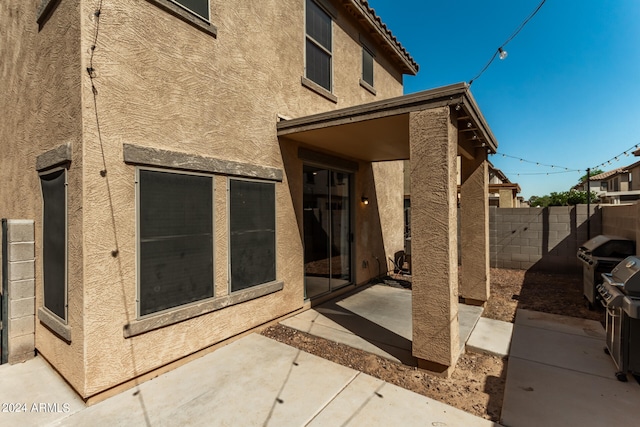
(502, 53)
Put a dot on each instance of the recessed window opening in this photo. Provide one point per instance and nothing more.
(318, 45)
(197, 7)
(175, 239)
(252, 233)
(54, 241)
(367, 66)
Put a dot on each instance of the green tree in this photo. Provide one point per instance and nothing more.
(564, 198)
(592, 173)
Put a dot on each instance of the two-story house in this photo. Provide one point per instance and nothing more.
(195, 169)
(502, 192)
(616, 186)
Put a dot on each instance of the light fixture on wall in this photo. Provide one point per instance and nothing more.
(365, 200)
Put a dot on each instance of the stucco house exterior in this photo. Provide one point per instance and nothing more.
(176, 173)
(616, 186)
(502, 192)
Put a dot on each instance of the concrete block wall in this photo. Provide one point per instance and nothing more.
(19, 241)
(540, 238)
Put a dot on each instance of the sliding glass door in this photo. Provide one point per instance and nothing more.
(327, 230)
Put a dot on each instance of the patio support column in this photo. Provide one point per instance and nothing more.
(433, 149)
(474, 228)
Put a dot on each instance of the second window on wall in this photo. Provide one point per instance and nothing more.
(318, 45)
(252, 233)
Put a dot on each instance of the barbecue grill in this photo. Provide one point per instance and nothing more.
(620, 293)
(599, 255)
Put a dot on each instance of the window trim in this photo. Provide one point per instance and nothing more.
(275, 258)
(52, 316)
(207, 19)
(188, 16)
(332, 14)
(44, 10)
(199, 308)
(138, 246)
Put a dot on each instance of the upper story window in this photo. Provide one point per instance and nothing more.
(318, 45)
(367, 66)
(199, 7)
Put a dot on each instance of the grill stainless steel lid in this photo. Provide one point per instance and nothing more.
(608, 247)
(600, 255)
(626, 275)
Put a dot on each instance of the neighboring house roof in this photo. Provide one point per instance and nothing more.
(499, 174)
(609, 174)
(368, 17)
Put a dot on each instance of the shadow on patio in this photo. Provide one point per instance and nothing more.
(376, 319)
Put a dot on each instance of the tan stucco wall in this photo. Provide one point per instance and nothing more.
(41, 107)
(161, 83)
(506, 198)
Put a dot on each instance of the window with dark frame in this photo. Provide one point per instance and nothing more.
(175, 238)
(367, 66)
(318, 45)
(198, 7)
(54, 241)
(252, 234)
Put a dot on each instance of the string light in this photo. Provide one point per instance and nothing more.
(617, 158)
(500, 52)
(541, 173)
(564, 169)
(540, 164)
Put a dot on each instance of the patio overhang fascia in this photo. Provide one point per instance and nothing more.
(514, 187)
(379, 131)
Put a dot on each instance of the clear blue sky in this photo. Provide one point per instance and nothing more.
(568, 94)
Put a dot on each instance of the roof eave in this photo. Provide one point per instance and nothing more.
(373, 21)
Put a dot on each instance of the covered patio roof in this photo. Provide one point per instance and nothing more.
(379, 131)
(430, 128)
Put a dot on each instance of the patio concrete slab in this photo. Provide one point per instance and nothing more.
(491, 337)
(559, 375)
(555, 322)
(253, 381)
(468, 317)
(372, 402)
(376, 319)
(31, 383)
(537, 394)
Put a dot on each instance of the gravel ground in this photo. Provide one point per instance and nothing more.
(477, 384)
